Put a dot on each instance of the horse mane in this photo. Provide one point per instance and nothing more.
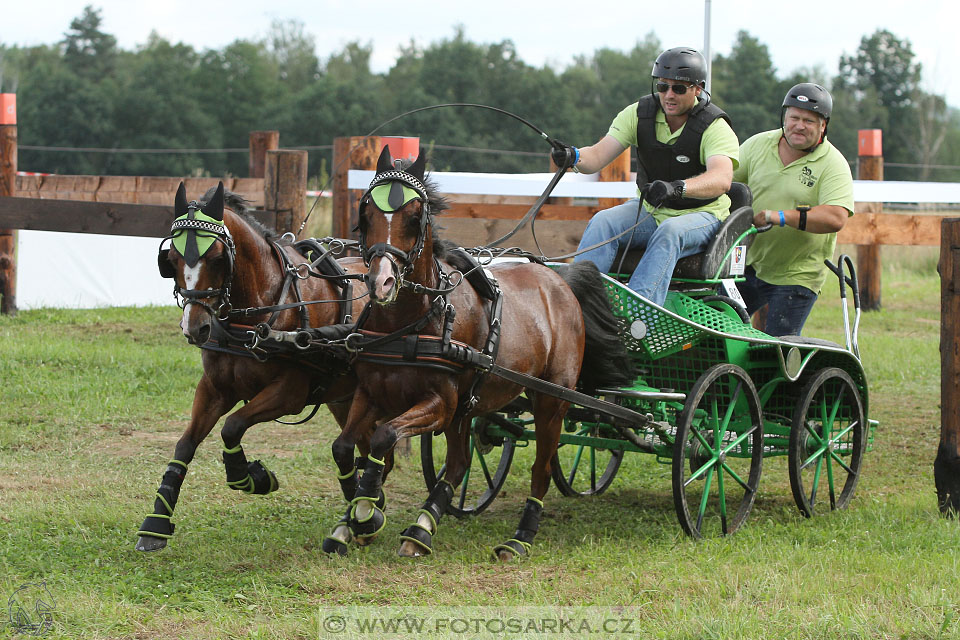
(241, 206)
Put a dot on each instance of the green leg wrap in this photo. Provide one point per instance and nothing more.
(521, 542)
(367, 523)
(158, 524)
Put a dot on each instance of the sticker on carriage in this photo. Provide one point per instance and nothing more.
(738, 260)
(730, 290)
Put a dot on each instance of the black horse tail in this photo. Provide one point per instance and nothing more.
(606, 362)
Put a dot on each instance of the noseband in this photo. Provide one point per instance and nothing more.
(220, 234)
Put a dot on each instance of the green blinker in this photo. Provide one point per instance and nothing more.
(381, 196)
(205, 239)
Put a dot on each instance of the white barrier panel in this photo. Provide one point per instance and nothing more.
(574, 185)
(86, 271)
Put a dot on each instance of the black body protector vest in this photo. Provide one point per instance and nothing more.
(678, 161)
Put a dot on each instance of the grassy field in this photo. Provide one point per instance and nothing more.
(92, 402)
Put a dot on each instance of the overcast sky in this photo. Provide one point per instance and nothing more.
(798, 34)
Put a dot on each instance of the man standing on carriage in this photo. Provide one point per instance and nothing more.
(686, 155)
(802, 186)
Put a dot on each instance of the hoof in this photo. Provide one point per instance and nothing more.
(417, 542)
(364, 531)
(149, 543)
(511, 549)
(332, 545)
(264, 480)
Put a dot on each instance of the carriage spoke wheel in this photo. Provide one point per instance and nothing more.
(718, 453)
(827, 441)
(490, 460)
(582, 470)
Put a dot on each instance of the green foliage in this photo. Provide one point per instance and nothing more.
(84, 92)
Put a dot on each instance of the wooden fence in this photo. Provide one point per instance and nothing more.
(135, 205)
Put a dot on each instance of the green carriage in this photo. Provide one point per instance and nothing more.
(713, 396)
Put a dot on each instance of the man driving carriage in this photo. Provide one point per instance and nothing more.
(686, 155)
(802, 186)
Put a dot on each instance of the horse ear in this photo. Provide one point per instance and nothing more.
(418, 167)
(383, 162)
(180, 202)
(214, 208)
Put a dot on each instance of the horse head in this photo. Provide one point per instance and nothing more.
(394, 221)
(200, 259)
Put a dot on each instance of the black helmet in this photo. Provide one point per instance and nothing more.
(811, 97)
(681, 63)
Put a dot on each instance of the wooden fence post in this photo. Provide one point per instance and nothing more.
(8, 187)
(260, 143)
(616, 171)
(285, 188)
(946, 468)
(869, 167)
(356, 152)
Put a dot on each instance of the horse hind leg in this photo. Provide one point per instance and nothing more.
(548, 415)
(417, 539)
(208, 406)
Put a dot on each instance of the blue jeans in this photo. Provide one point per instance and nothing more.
(787, 305)
(665, 243)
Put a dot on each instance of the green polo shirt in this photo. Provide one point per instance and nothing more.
(786, 255)
(718, 140)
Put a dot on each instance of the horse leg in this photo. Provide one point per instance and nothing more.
(208, 405)
(418, 537)
(284, 396)
(548, 415)
(357, 425)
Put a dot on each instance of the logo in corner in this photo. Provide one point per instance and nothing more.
(31, 609)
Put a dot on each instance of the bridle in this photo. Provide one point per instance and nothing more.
(381, 249)
(220, 233)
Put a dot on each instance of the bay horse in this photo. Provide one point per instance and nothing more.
(221, 258)
(420, 308)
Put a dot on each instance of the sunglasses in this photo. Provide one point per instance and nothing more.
(679, 89)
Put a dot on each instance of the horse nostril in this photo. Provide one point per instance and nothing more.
(202, 334)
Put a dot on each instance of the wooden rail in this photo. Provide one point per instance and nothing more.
(135, 205)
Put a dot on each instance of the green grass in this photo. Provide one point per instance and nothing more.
(92, 402)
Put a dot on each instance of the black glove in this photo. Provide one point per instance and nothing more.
(563, 155)
(660, 192)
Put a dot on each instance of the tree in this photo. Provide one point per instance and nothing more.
(745, 86)
(88, 51)
(883, 70)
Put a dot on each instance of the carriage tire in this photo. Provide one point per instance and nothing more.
(714, 486)
(738, 308)
(579, 480)
(834, 459)
(489, 466)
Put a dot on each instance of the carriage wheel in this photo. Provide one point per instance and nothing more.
(718, 453)
(581, 470)
(826, 442)
(490, 460)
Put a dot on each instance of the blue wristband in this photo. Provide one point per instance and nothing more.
(783, 221)
(576, 158)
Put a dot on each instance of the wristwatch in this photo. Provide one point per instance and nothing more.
(802, 224)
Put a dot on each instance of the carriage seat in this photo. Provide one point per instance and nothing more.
(704, 266)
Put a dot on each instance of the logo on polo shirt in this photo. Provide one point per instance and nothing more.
(807, 178)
